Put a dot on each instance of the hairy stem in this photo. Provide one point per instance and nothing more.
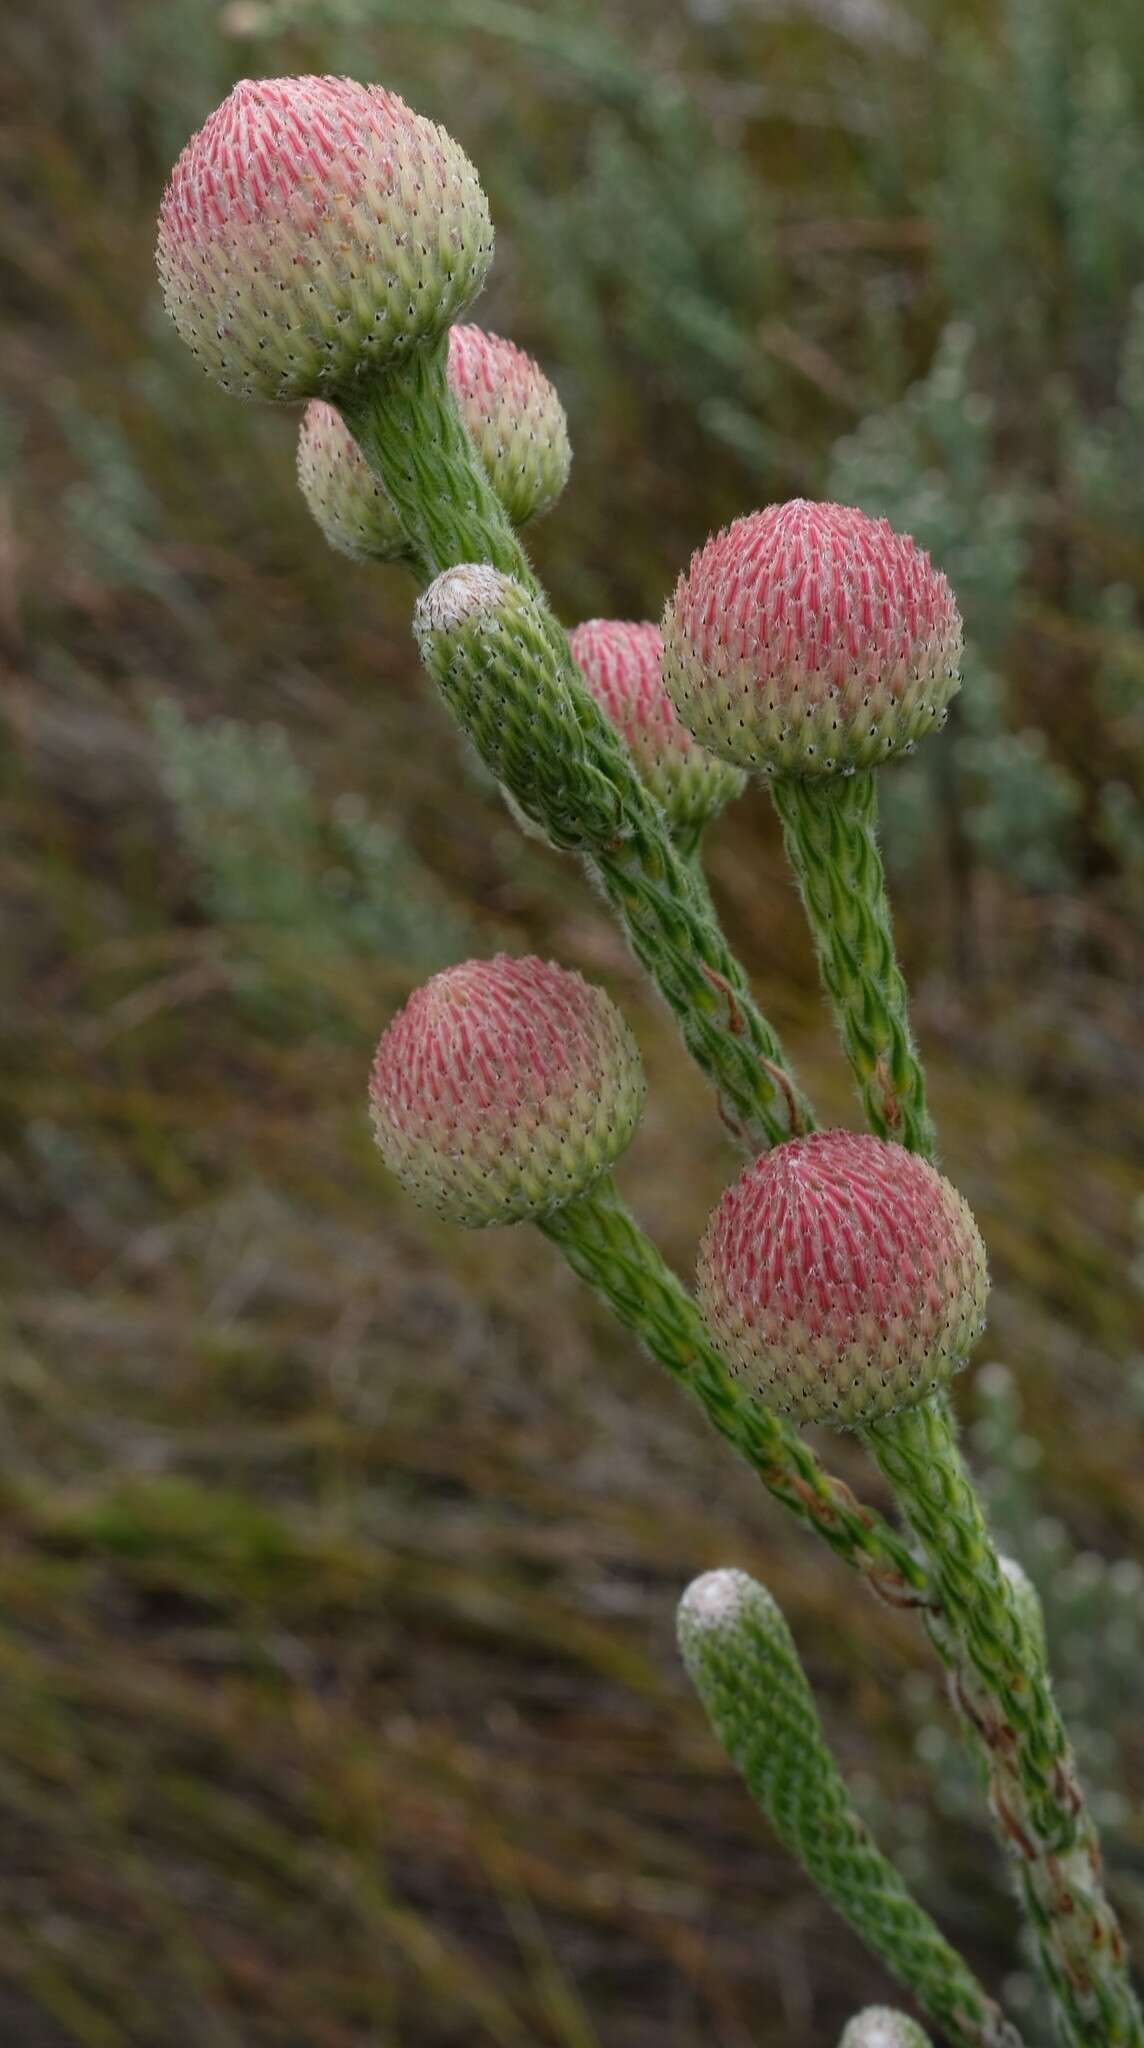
(409, 429)
(1000, 1683)
(830, 830)
(606, 1247)
(743, 1662)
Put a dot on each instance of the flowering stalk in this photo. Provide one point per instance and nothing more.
(811, 642)
(742, 1660)
(317, 241)
(1000, 1684)
(830, 835)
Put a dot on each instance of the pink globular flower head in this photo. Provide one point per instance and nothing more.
(503, 1090)
(515, 419)
(620, 660)
(811, 639)
(842, 1278)
(312, 230)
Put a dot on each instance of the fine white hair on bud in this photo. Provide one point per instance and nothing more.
(312, 230)
(461, 597)
(881, 2027)
(718, 1600)
(842, 1278)
(809, 639)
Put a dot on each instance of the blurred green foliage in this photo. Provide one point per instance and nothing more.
(340, 1552)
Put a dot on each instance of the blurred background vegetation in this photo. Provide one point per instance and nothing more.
(338, 1698)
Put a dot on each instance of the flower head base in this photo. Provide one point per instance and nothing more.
(503, 1090)
(620, 661)
(880, 2027)
(510, 409)
(312, 230)
(843, 1278)
(811, 640)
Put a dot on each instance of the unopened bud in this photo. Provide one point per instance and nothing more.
(312, 230)
(509, 407)
(809, 639)
(621, 662)
(842, 1278)
(504, 1089)
(504, 670)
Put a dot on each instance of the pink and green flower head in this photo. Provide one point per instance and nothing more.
(811, 640)
(312, 230)
(503, 1090)
(842, 1278)
(620, 660)
(515, 419)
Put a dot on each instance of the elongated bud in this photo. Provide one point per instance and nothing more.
(620, 660)
(842, 1278)
(504, 671)
(314, 229)
(503, 1090)
(880, 2027)
(810, 639)
(509, 407)
(742, 1661)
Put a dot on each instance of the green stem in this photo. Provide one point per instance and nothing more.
(830, 830)
(409, 429)
(743, 1662)
(1000, 1682)
(606, 1247)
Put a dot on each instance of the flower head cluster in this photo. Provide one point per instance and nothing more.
(842, 1278)
(313, 229)
(511, 411)
(620, 660)
(504, 1089)
(809, 639)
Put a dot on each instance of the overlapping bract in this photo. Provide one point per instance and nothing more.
(809, 639)
(513, 414)
(842, 1278)
(620, 660)
(504, 1089)
(313, 229)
